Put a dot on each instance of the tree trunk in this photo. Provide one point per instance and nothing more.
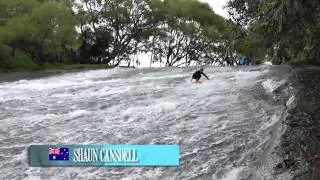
(13, 51)
(117, 64)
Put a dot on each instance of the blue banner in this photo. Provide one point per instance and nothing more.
(104, 155)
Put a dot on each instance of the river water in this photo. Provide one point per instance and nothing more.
(226, 127)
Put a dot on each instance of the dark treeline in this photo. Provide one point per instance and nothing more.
(288, 30)
(175, 32)
(172, 32)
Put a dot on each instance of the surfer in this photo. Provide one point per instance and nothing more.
(197, 75)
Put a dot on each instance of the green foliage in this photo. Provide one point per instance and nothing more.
(189, 29)
(4, 55)
(112, 31)
(14, 8)
(291, 26)
(39, 28)
(6, 35)
(21, 61)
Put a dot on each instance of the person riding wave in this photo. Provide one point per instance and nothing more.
(197, 75)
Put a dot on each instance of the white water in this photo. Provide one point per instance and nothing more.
(221, 125)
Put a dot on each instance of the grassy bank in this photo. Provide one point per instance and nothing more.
(22, 62)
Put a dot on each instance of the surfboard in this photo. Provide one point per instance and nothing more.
(196, 82)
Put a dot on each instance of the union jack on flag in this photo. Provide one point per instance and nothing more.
(54, 150)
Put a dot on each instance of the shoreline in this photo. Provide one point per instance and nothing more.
(34, 74)
(48, 67)
(299, 146)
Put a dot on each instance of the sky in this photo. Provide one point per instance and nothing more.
(217, 6)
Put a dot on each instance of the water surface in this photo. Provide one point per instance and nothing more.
(226, 127)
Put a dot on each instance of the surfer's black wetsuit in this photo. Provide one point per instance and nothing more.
(197, 75)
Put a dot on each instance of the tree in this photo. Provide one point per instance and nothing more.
(113, 29)
(189, 30)
(39, 28)
(279, 24)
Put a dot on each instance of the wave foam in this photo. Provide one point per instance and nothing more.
(272, 85)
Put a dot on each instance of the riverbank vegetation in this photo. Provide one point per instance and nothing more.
(289, 30)
(38, 33)
(111, 32)
(22, 62)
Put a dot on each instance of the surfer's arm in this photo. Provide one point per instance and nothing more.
(205, 75)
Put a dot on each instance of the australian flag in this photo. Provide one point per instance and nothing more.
(58, 154)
